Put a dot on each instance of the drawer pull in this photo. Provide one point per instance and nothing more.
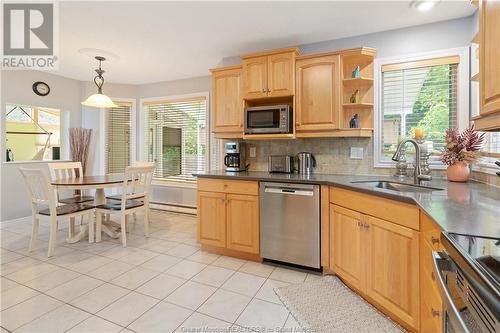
(434, 240)
(435, 313)
(432, 276)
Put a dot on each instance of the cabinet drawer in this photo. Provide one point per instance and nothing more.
(431, 306)
(430, 232)
(427, 266)
(394, 211)
(228, 186)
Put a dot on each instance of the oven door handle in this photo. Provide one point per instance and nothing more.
(451, 311)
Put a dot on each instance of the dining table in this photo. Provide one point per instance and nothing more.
(99, 184)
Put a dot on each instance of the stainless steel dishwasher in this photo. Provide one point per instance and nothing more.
(290, 223)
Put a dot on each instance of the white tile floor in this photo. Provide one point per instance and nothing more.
(164, 283)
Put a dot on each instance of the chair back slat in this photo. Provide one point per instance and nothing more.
(137, 182)
(65, 170)
(39, 187)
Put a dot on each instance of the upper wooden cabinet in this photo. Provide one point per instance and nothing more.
(317, 101)
(227, 102)
(269, 74)
(489, 66)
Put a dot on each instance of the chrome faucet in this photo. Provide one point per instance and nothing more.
(418, 177)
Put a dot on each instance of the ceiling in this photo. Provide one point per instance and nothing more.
(163, 41)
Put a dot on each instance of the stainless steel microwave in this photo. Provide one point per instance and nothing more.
(269, 119)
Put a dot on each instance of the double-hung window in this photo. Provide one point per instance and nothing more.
(418, 94)
(176, 135)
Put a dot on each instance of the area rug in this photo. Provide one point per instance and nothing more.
(327, 305)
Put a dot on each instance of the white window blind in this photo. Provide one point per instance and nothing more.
(177, 137)
(491, 147)
(118, 134)
(422, 97)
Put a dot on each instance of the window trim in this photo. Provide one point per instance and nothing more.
(462, 96)
(142, 137)
(103, 130)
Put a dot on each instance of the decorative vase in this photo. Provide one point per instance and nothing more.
(458, 172)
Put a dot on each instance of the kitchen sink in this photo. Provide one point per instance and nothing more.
(397, 187)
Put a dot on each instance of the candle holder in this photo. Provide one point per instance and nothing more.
(401, 165)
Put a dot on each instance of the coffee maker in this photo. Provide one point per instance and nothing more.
(235, 156)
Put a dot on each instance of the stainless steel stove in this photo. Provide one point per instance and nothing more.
(469, 279)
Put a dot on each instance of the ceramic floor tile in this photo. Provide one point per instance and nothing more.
(58, 320)
(199, 322)
(6, 284)
(32, 272)
(291, 325)
(267, 293)
(7, 256)
(161, 262)
(138, 256)
(288, 275)
(90, 264)
(191, 295)
(17, 265)
(313, 277)
(228, 262)
(127, 309)
(225, 305)
(244, 283)
(213, 275)
(257, 268)
(111, 270)
(28, 310)
(52, 280)
(134, 278)
(70, 258)
(164, 317)
(158, 245)
(185, 269)
(161, 286)
(95, 324)
(203, 257)
(263, 314)
(182, 251)
(72, 289)
(41, 251)
(15, 295)
(100, 297)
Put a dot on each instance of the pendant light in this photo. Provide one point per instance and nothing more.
(99, 100)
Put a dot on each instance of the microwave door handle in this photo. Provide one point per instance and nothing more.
(451, 309)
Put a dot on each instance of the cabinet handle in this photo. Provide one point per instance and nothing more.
(432, 276)
(269, 90)
(264, 90)
(366, 226)
(434, 240)
(435, 313)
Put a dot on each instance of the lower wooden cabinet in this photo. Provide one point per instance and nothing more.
(242, 220)
(227, 217)
(378, 258)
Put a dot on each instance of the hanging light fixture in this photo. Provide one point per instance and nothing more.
(99, 100)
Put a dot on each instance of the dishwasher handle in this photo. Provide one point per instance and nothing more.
(289, 191)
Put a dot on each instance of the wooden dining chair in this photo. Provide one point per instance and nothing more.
(43, 205)
(134, 198)
(69, 170)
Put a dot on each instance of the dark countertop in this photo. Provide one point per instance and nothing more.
(464, 208)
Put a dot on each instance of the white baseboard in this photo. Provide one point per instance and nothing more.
(173, 208)
(21, 219)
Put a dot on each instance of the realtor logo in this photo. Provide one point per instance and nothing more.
(29, 36)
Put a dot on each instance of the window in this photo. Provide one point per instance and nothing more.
(32, 133)
(118, 137)
(491, 146)
(176, 136)
(418, 94)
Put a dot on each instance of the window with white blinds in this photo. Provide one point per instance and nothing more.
(422, 95)
(176, 136)
(118, 137)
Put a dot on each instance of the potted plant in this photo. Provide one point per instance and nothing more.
(461, 150)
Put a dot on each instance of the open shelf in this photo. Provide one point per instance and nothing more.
(357, 105)
(358, 80)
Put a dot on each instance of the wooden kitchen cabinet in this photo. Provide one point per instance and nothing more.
(212, 218)
(227, 102)
(391, 260)
(228, 215)
(243, 228)
(489, 66)
(269, 74)
(345, 244)
(317, 95)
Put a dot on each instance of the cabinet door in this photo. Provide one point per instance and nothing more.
(212, 218)
(345, 245)
(318, 93)
(243, 223)
(392, 262)
(280, 76)
(489, 52)
(255, 77)
(227, 102)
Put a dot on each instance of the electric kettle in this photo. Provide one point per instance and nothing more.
(306, 163)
